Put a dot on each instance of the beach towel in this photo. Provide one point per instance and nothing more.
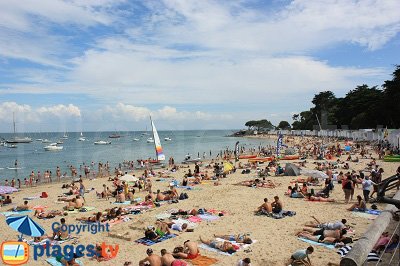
(52, 261)
(364, 215)
(203, 261)
(162, 216)
(83, 209)
(330, 246)
(123, 203)
(280, 215)
(45, 242)
(31, 198)
(119, 221)
(148, 242)
(194, 219)
(372, 256)
(12, 213)
(208, 217)
(189, 187)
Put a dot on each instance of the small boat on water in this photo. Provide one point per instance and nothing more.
(39, 139)
(9, 145)
(65, 136)
(136, 139)
(150, 140)
(82, 138)
(53, 147)
(46, 141)
(102, 142)
(114, 136)
(167, 139)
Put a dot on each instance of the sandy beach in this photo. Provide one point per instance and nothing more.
(276, 239)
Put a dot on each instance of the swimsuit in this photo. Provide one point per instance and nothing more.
(192, 256)
(319, 234)
(178, 263)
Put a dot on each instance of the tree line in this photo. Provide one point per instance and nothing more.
(361, 107)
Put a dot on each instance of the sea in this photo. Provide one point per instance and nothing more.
(32, 156)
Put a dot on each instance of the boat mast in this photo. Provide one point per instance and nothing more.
(14, 123)
(154, 139)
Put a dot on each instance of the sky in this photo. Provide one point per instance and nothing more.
(99, 65)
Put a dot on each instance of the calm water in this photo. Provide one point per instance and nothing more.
(32, 156)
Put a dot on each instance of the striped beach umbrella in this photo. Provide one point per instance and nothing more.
(25, 226)
(7, 189)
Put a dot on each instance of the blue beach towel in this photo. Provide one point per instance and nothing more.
(123, 203)
(52, 261)
(148, 242)
(12, 213)
(330, 246)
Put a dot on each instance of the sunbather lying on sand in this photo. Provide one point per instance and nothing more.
(19, 208)
(337, 225)
(240, 238)
(317, 238)
(224, 246)
(310, 197)
(95, 218)
(323, 234)
(41, 214)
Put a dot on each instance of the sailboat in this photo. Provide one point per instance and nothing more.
(65, 136)
(157, 143)
(16, 139)
(82, 138)
(145, 133)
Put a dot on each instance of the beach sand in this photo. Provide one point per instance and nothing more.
(276, 238)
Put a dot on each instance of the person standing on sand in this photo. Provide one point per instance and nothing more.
(58, 173)
(151, 259)
(82, 189)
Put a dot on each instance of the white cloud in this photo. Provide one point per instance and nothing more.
(28, 114)
(127, 112)
(61, 110)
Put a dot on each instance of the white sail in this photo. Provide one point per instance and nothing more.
(157, 143)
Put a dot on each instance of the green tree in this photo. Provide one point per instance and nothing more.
(284, 125)
(391, 100)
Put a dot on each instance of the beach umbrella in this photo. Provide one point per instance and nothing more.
(227, 167)
(129, 178)
(313, 173)
(25, 225)
(7, 189)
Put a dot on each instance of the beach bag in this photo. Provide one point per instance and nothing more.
(44, 195)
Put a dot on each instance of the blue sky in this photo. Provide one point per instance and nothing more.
(107, 64)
